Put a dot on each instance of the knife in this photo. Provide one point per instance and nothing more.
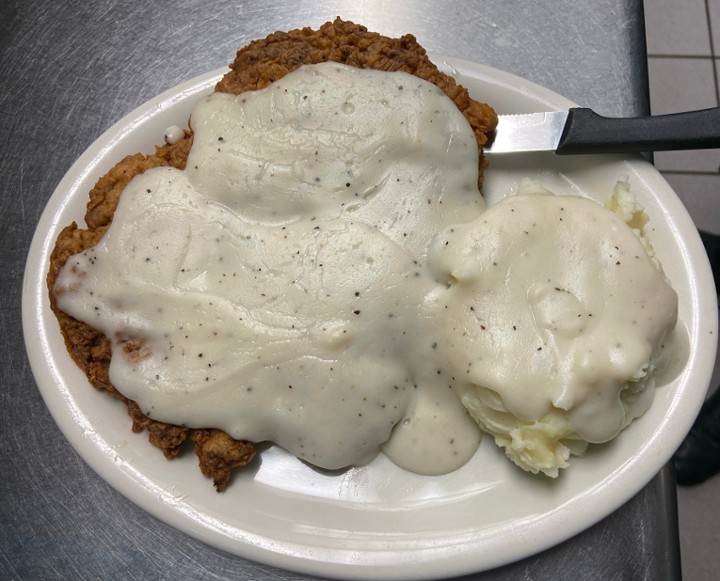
(581, 130)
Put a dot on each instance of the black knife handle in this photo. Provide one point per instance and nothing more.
(587, 132)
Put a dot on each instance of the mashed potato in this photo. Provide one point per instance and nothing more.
(559, 328)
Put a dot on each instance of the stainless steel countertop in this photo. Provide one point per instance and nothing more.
(70, 69)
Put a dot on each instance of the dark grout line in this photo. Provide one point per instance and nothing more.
(688, 172)
(712, 51)
(698, 57)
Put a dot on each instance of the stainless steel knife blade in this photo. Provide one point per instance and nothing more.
(581, 130)
(529, 132)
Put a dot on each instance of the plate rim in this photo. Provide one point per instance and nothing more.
(77, 433)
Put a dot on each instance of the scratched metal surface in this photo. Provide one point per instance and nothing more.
(70, 69)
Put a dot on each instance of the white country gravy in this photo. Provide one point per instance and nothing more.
(276, 281)
(553, 302)
(282, 287)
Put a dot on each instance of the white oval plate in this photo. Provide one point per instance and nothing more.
(380, 521)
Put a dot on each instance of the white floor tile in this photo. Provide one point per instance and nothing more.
(699, 160)
(701, 196)
(700, 530)
(681, 84)
(714, 10)
(685, 32)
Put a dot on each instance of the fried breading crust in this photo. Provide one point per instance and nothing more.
(255, 66)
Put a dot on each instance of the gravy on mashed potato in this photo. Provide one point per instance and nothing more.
(558, 318)
(323, 275)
